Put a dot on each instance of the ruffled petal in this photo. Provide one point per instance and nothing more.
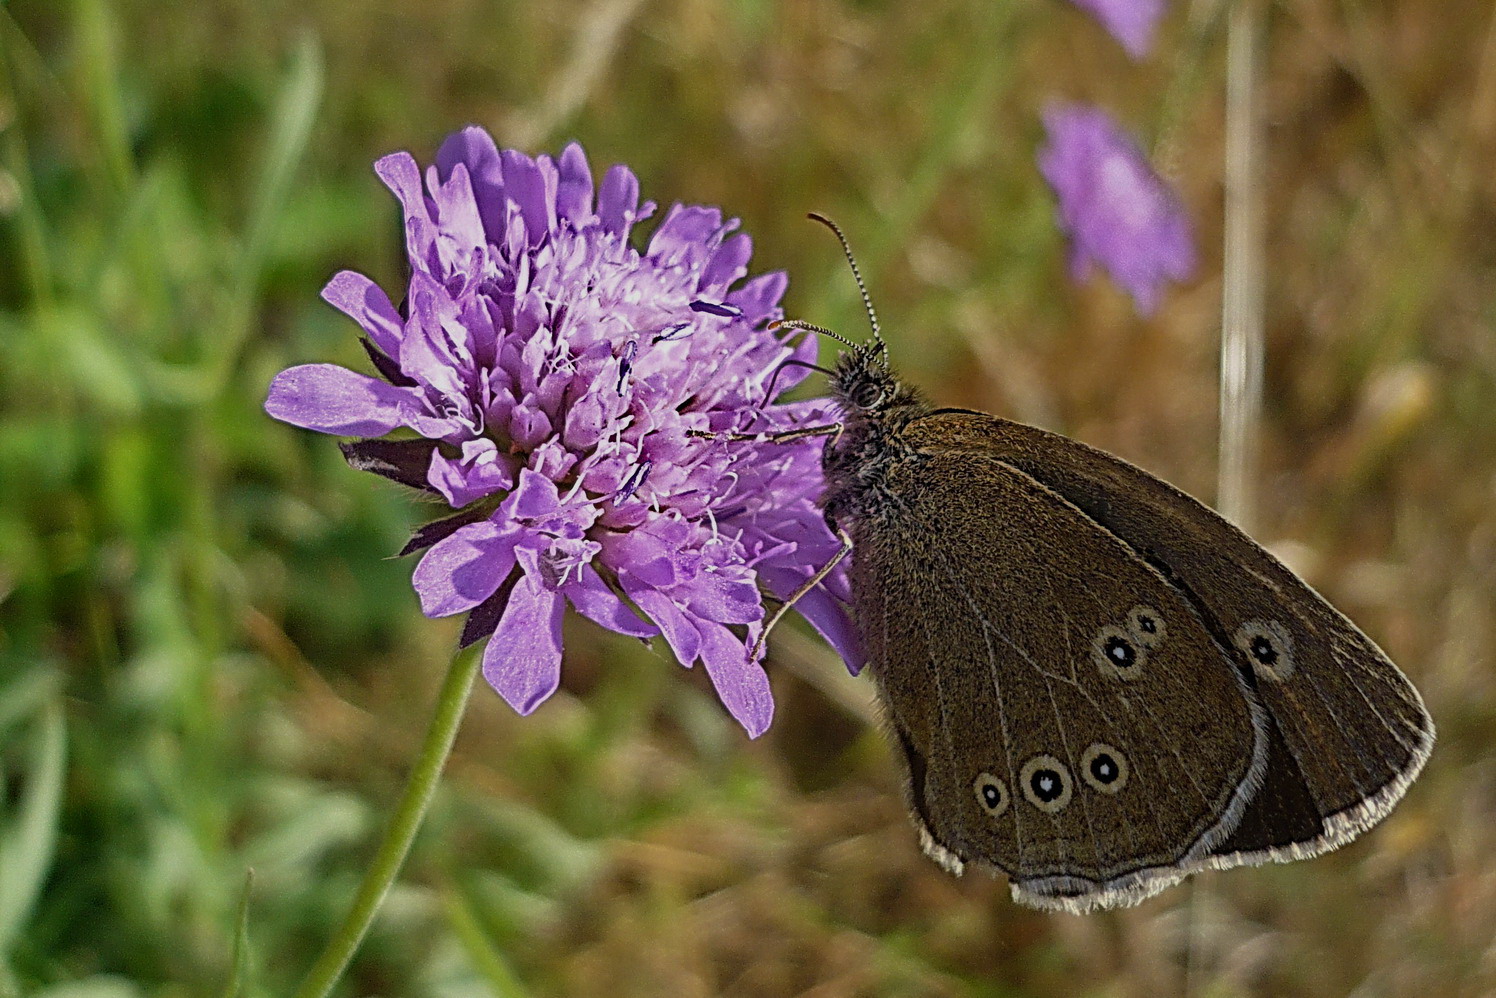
(525, 186)
(687, 236)
(479, 471)
(534, 497)
(457, 211)
(728, 264)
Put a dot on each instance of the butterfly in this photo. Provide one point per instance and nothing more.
(1095, 684)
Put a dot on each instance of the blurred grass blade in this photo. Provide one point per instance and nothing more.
(101, 90)
(239, 971)
(480, 949)
(28, 841)
(290, 130)
(98, 986)
(19, 67)
(986, 74)
(35, 261)
(24, 695)
(295, 110)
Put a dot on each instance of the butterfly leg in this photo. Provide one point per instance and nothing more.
(832, 430)
(805, 587)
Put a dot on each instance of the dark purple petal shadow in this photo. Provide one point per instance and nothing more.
(403, 461)
(428, 534)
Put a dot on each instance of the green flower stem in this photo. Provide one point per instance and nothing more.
(402, 829)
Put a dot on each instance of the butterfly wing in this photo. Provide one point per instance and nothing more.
(1338, 732)
(1063, 711)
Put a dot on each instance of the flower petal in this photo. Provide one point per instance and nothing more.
(1115, 209)
(759, 296)
(618, 202)
(686, 236)
(593, 599)
(644, 556)
(574, 193)
(332, 399)
(533, 497)
(525, 186)
(727, 598)
(457, 210)
(523, 659)
(462, 570)
(729, 263)
(365, 303)
(1130, 22)
(680, 633)
(831, 622)
(743, 686)
(475, 148)
(402, 176)
(479, 471)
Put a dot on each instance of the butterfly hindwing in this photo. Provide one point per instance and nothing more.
(1346, 731)
(1064, 714)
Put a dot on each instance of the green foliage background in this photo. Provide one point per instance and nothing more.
(209, 662)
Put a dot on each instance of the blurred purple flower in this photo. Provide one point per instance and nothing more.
(1131, 22)
(1115, 209)
(551, 373)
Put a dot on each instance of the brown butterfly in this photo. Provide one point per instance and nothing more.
(1097, 685)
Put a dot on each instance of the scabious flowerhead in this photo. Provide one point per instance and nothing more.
(1131, 22)
(551, 383)
(1116, 211)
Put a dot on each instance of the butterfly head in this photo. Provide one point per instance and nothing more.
(862, 382)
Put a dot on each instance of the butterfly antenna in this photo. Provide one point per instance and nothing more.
(867, 301)
(810, 327)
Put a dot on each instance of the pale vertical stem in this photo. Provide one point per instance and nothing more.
(1241, 337)
(1241, 298)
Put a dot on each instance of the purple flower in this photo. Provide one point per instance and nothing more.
(551, 380)
(1131, 22)
(1116, 210)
